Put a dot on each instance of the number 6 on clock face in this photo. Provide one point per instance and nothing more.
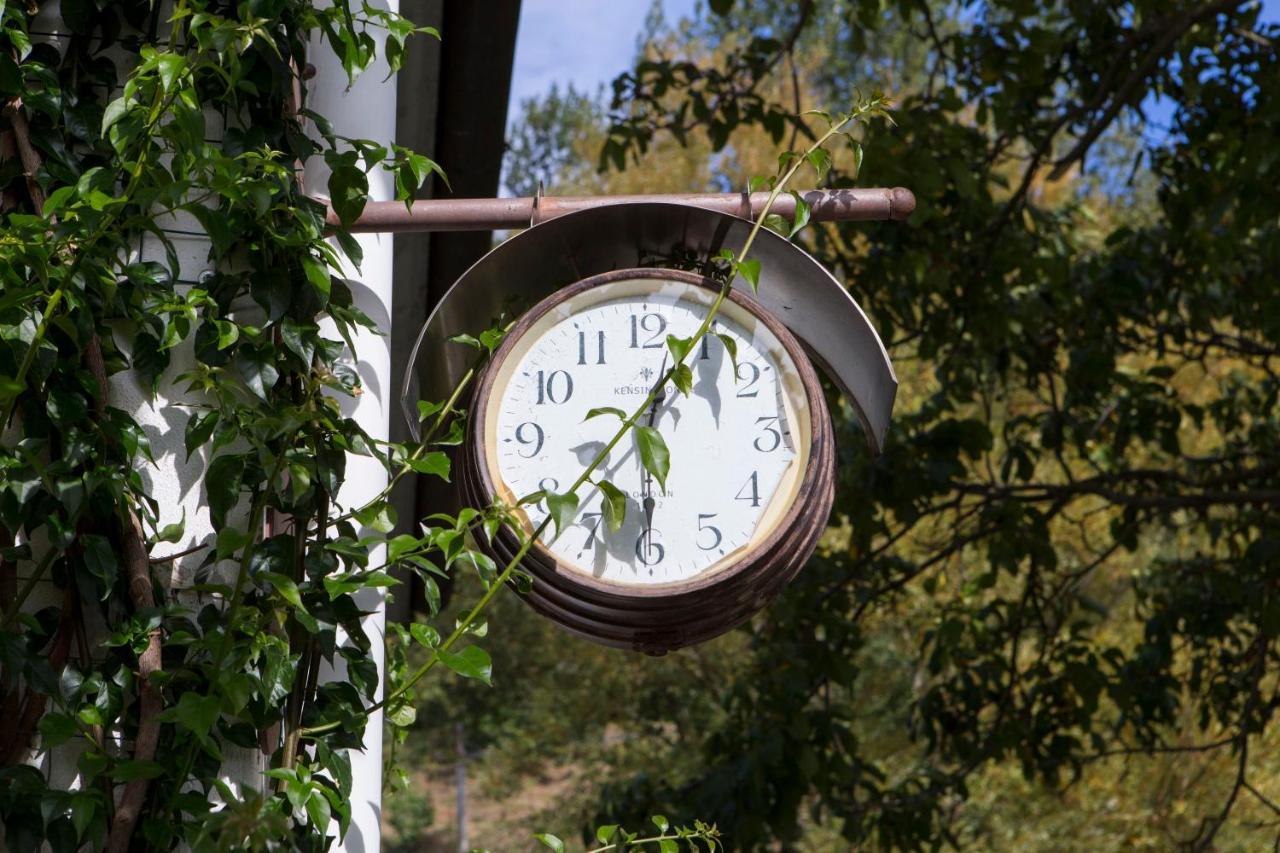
(739, 442)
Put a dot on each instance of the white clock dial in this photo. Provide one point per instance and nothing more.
(738, 444)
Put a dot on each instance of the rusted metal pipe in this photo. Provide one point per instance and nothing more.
(487, 214)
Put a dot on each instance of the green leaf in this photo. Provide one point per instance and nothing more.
(56, 729)
(400, 545)
(435, 463)
(318, 810)
(318, 275)
(750, 270)
(801, 219)
(348, 192)
(679, 347)
(471, 662)
(300, 339)
(654, 455)
(222, 486)
(83, 807)
(467, 340)
(173, 532)
(731, 346)
(820, 160)
(857, 158)
(424, 635)
(606, 410)
(682, 376)
(257, 366)
(380, 516)
(427, 408)
(614, 505)
(66, 408)
(170, 65)
(230, 540)
(551, 841)
(114, 112)
(101, 561)
(660, 821)
(199, 428)
(562, 508)
(195, 712)
(228, 333)
(604, 834)
(490, 338)
(285, 586)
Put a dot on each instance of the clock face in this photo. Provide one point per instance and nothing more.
(739, 444)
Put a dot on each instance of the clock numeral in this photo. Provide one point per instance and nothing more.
(548, 485)
(522, 436)
(547, 386)
(754, 370)
(754, 483)
(772, 435)
(715, 531)
(642, 324)
(582, 347)
(592, 519)
(649, 552)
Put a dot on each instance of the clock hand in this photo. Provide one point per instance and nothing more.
(646, 485)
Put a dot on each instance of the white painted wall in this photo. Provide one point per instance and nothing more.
(367, 110)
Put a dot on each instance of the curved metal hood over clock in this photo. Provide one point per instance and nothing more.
(794, 287)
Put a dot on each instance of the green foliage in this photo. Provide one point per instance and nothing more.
(1073, 520)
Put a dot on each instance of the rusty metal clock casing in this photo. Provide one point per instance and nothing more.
(660, 617)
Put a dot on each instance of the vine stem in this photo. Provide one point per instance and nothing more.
(653, 839)
(465, 624)
(405, 467)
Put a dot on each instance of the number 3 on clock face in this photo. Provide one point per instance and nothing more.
(739, 443)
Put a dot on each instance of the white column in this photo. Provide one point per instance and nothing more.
(368, 111)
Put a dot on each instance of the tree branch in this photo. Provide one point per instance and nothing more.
(1126, 91)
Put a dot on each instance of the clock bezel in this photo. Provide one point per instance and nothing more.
(545, 565)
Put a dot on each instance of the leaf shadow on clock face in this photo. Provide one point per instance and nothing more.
(587, 452)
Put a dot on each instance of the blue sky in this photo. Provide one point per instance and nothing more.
(584, 42)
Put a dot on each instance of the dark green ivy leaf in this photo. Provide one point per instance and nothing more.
(257, 367)
(101, 561)
(222, 485)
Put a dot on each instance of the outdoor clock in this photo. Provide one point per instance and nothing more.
(752, 470)
(751, 474)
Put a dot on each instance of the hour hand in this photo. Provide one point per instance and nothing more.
(659, 392)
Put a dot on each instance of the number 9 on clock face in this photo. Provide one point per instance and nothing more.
(740, 441)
